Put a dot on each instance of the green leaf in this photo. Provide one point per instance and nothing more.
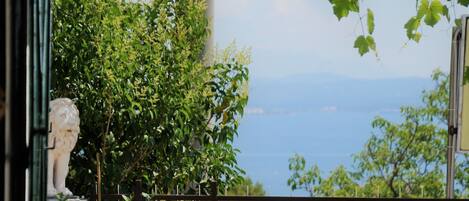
(371, 43)
(466, 75)
(458, 22)
(417, 37)
(362, 45)
(411, 27)
(370, 19)
(342, 8)
(354, 6)
(422, 10)
(434, 13)
(464, 2)
(446, 13)
(146, 195)
(125, 198)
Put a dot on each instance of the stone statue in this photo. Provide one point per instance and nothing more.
(63, 134)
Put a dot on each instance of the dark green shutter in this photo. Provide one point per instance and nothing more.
(40, 61)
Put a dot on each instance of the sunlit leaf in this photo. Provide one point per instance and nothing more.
(362, 45)
(434, 12)
(370, 21)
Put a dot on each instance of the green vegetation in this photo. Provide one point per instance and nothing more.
(404, 159)
(247, 187)
(150, 108)
(428, 12)
(401, 159)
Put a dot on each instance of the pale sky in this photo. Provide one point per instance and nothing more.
(310, 91)
(303, 36)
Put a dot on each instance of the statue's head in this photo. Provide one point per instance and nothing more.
(64, 115)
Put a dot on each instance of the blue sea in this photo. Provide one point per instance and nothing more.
(324, 117)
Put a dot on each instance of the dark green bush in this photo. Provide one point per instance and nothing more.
(149, 107)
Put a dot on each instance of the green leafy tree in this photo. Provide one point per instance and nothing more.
(247, 187)
(150, 108)
(427, 13)
(401, 159)
(409, 157)
(339, 183)
(302, 178)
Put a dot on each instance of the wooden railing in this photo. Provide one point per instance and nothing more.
(138, 196)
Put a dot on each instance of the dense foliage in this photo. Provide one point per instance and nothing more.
(401, 159)
(247, 187)
(150, 108)
(428, 12)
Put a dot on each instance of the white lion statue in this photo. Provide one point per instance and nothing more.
(64, 128)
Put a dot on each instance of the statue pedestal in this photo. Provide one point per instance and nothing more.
(67, 198)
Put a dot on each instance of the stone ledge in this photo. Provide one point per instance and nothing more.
(68, 198)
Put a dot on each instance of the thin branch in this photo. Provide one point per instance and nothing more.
(137, 160)
(361, 23)
(401, 158)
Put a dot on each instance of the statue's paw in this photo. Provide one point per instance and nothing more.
(65, 192)
(51, 192)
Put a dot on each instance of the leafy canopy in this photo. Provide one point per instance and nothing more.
(247, 187)
(150, 108)
(400, 159)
